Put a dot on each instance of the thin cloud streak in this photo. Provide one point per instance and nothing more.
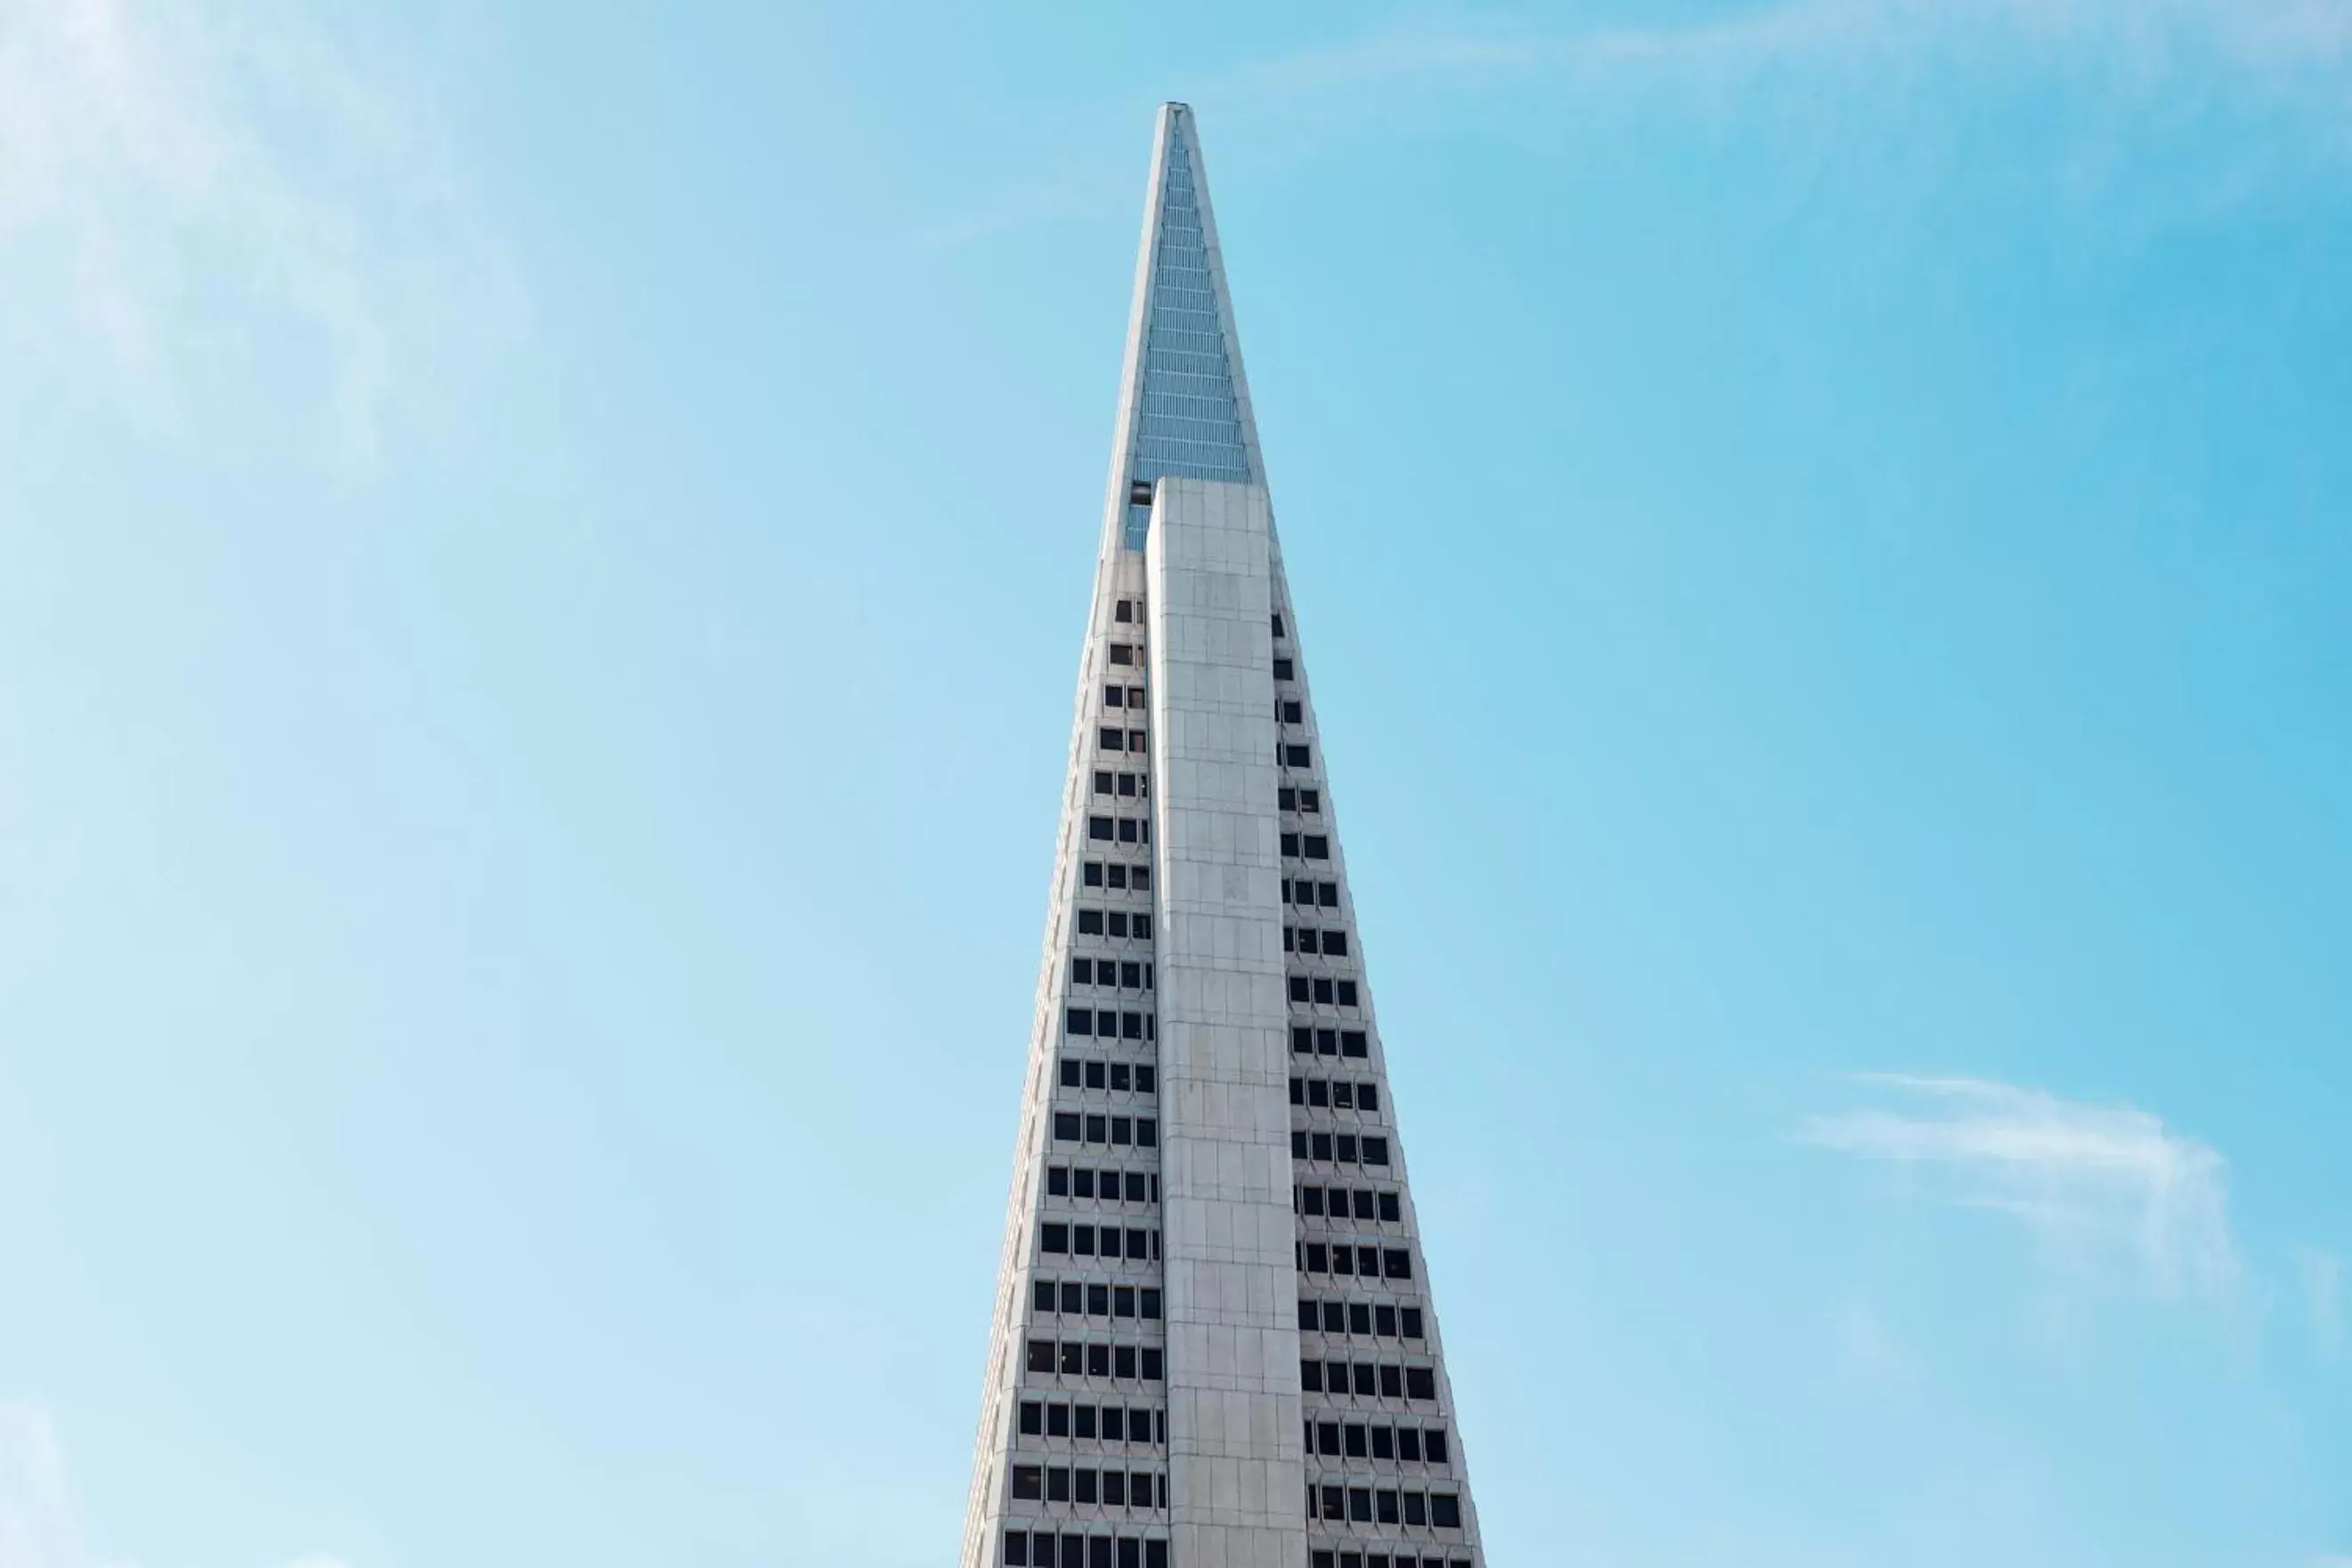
(209, 203)
(2090, 1181)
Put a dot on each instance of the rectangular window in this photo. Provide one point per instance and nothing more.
(1041, 1298)
(1028, 1483)
(1416, 1509)
(1054, 1238)
(1091, 873)
(1347, 1147)
(1150, 1364)
(1285, 671)
(1310, 800)
(1098, 827)
(1445, 1511)
(1347, 994)
(1090, 922)
(1016, 1548)
(1294, 756)
(1081, 1021)
(1328, 894)
(1322, 991)
(1397, 1263)
(1121, 653)
(1278, 625)
(1289, 845)
(1040, 1356)
(1310, 1376)
(1318, 847)
(1391, 1382)
(1392, 1210)
(1376, 1151)
(1408, 1445)
(1298, 987)
(1135, 741)
(1057, 1484)
(1335, 943)
(1367, 1098)
(1411, 1317)
(1434, 1441)
(1065, 1126)
(1033, 1418)
(1384, 1506)
(1420, 1383)
(1114, 696)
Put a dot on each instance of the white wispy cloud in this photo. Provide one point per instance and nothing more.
(2092, 1183)
(39, 1527)
(2272, 43)
(211, 205)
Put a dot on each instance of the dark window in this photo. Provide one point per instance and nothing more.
(1367, 1379)
(1308, 1316)
(1083, 1183)
(1408, 1445)
(1042, 1297)
(1091, 873)
(1321, 1142)
(1367, 1098)
(1310, 1373)
(1397, 1263)
(1082, 1240)
(1376, 1151)
(1294, 756)
(1040, 1355)
(1343, 1095)
(1416, 1509)
(1289, 844)
(1142, 884)
(1383, 1441)
(1355, 1436)
(1285, 798)
(1299, 991)
(1070, 1073)
(1317, 1257)
(1347, 1142)
(1117, 876)
(1028, 1483)
(1033, 1418)
(1054, 1238)
(1145, 1078)
(1420, 1383)
(1360, 1318)
(1384, 1506)
(1328, 894)
(1298, 1146)
(1081, 1020)
(1333, 1317)
(1127, 830)
(1057, 1421)
(1283, 669)
(1277, 625)
(1114, 1491)
(1150, 1364)
(1097, 1360)
(1065, 1126)
(1434, 1441)
(1142, 922)
(1150, 1303)
(1319, 1091)
(1098, 827)
(1120, 653)
(1335, 943)
(1301, 1040)
(1297, 1088)
(1391, 1382)
(1323, 990)
(1310, 800)
(1016, 1548)
(1057, 1484)
(1319, 847)
(1090, 922)
(1119, 923)
(1125, 609)
(1392, 1210)
(1122, 1130)
(1147, 1132)
(1411, 1316)
(1292, 713)
(1445, 1511)
(1359, 1504)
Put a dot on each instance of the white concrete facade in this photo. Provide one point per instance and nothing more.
(1234, 1450)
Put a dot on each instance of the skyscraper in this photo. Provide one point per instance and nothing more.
(1215, 1345)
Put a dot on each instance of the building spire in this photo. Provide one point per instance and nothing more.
(1184, 409)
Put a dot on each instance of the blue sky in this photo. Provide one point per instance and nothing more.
(544, 549)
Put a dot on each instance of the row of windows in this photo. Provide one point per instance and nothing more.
(1109, 1424)
(1343, 1147)
(1142, 1076)
(1312, 846)
(1128, 786)
(1307, 939)
(1065, 1240)
(1371, 1505)
(1087, 1358)
(1310, 895)
(1078, 1182)
(1107, 1026)
(1083, 1298)
(1383, 1560)
(1365, 1380)
(1123, 829)
(1126, 973)
(1038, 1549)
(1115, 1488)
(1305, 1041)
(1113, 922)
(1356, 1262)
(1142, 1131)
(1113, 874)
(1292, 799)
(1323, 990)
(1361, 1318)
(1122, 741)
(1344, 1202)
(1338, 1093)
(1353, 1440)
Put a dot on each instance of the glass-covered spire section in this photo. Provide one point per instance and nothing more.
(1188, 418)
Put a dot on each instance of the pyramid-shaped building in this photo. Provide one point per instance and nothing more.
(1215, 1341)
